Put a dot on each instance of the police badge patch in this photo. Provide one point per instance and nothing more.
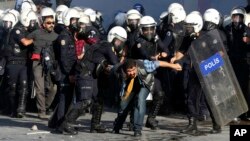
(62, 42)
(17, 31)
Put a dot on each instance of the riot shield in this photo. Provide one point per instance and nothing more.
(217, 77)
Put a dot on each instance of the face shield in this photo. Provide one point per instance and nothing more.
(237, 19)
(189, 29)
(119, 43)
(133, 23)
(73, 24)
(7, 25)
(148, 32)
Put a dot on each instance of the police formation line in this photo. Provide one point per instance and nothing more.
(66, 57)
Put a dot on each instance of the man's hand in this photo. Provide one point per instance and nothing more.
(173, 59)
(176, 67)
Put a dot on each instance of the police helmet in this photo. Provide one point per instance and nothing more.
(70, 13)
(27, 16)
(59, 10)
(117, 32)
(212, 15)
(28, 5)
(147, 23)
(194, 19)
(91, 13)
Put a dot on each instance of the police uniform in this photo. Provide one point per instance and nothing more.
(146, 50)
(86, 86)
(239, 55)
(66, 57)
(16, 70)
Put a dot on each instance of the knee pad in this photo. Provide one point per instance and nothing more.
(24, 84)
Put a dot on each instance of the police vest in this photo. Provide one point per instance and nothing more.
(147, 48)
(17, 52)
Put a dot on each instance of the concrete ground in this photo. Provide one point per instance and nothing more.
(13, 129)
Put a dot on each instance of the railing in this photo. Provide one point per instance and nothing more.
(5, 4)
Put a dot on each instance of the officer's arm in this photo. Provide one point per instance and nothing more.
(112, 58)
(26, 41)
(178, 55)
(20, 37)
(165, 64)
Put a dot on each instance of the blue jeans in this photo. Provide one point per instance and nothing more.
(140, 108)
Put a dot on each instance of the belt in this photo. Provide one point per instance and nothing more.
(17, 62)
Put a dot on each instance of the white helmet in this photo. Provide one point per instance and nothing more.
(9, 20)
(247, 19)
(212, 15)
(195, 20)
(78, 8)
(27, 16)
(28, 5)
(70, 13)
(1, 15)
(84, 19)
(133, 14)
(177, 14)
(147, 21)
(47, 12)
(163, 15)
(238, 10)
(91, 13)
(174, 6)
(117, 32)
(59, 10)
(15, 12)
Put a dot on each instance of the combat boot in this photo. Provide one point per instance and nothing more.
(96, 127)
(191, 128)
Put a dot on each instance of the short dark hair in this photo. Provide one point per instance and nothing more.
(128, 64)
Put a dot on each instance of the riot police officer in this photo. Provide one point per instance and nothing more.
(194, 23)
(66, 59)
(96, 20)
(150, 47)
(96, 58)
(133, 18)
(239, 52)
(17, 58)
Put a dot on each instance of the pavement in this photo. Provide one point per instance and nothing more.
(15, 129)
